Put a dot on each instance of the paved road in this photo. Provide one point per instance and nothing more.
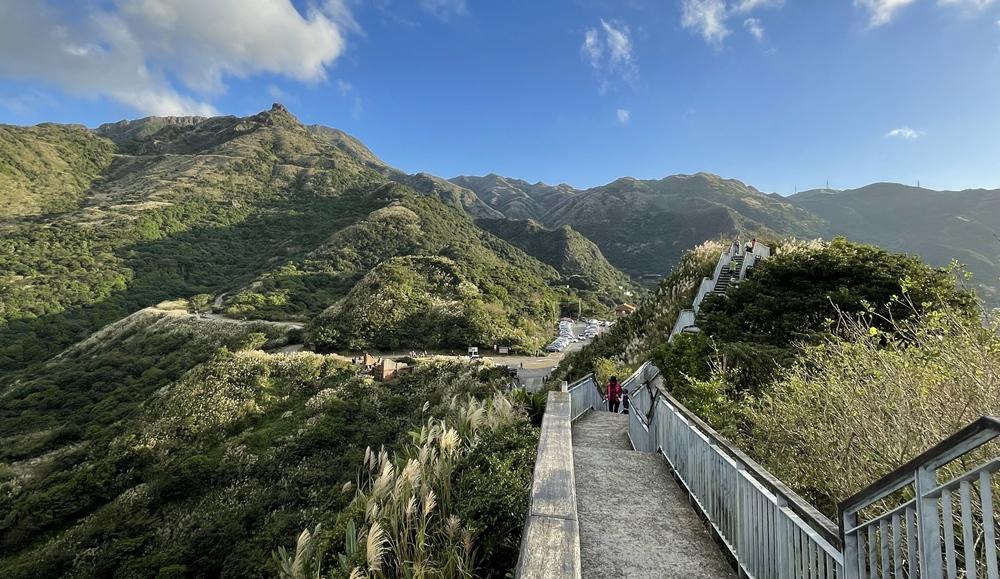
(635, 521)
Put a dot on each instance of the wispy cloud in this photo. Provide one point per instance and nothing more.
(754, 28)
(608, 49)
(707, 18)
(710, 18)
(970, 5)
(624, 116)
(444, 9)
(151, 55)
(881, 12)
(904, 132)
(747, 6)
(346, 89)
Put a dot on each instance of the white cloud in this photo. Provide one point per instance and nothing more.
(624, 116)
(609, 51)
(707, 17)
(747, 6)
(592, 47)
(904, 133)
(971, 5)
(168, 57)
(619, 45)
(754, 28)
(710, 18)
(882, 11)
(444, 9)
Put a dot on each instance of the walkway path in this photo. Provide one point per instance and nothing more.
(635, 521)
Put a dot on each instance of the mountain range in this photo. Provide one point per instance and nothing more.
(282, 220)
(643, 226)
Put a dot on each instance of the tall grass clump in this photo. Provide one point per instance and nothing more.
(406, 518)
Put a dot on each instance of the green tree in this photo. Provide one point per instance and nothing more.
(200, 303)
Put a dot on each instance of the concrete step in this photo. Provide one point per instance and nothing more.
(634, 520)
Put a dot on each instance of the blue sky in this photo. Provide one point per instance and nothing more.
(779, 94)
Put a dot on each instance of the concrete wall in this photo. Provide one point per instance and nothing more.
(550, 546)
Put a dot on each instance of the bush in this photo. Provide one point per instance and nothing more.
(872, 401)
(492, 491)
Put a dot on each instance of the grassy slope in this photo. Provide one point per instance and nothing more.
(184, 457)
(48, 168)
(576, 258)
(195, 209)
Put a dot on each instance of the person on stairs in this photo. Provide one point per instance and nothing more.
(613, 392)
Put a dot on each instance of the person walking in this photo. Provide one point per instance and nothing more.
(613, 392)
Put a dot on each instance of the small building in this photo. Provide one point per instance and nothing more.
(388, 369)
(625, 309)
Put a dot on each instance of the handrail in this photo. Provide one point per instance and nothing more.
(804, 509)
(927, 522)
(822, 524)
(550, 543)
(969, 438)
(769, 530)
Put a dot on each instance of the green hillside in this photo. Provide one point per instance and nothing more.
(172, 445)
(48, 168)
(645, 226)
(578, 260)
(515, 198)
(140, 439)
(939, 226)
(190, 206)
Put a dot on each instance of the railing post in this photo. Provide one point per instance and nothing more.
(849, 520)
(784, 553)
(929, 542)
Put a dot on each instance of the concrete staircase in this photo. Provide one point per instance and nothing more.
(634, 520)
(729, 275)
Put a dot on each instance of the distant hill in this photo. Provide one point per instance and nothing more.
(939, 226)
(576, 258)
(517, 199)
(644, 226)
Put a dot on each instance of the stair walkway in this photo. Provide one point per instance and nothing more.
(635, 521)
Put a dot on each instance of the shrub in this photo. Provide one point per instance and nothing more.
(873, 400)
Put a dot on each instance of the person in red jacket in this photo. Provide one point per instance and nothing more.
(613, 392)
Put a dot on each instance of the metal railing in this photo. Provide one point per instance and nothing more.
(685, 319)
(707, 285)
(584, 396)
(768, 529)
(931, 535)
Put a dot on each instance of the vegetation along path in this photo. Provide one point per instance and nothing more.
(634, 519)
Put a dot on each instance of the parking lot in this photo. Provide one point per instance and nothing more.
(573, 335)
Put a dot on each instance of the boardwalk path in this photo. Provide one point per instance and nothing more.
(635, 521)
